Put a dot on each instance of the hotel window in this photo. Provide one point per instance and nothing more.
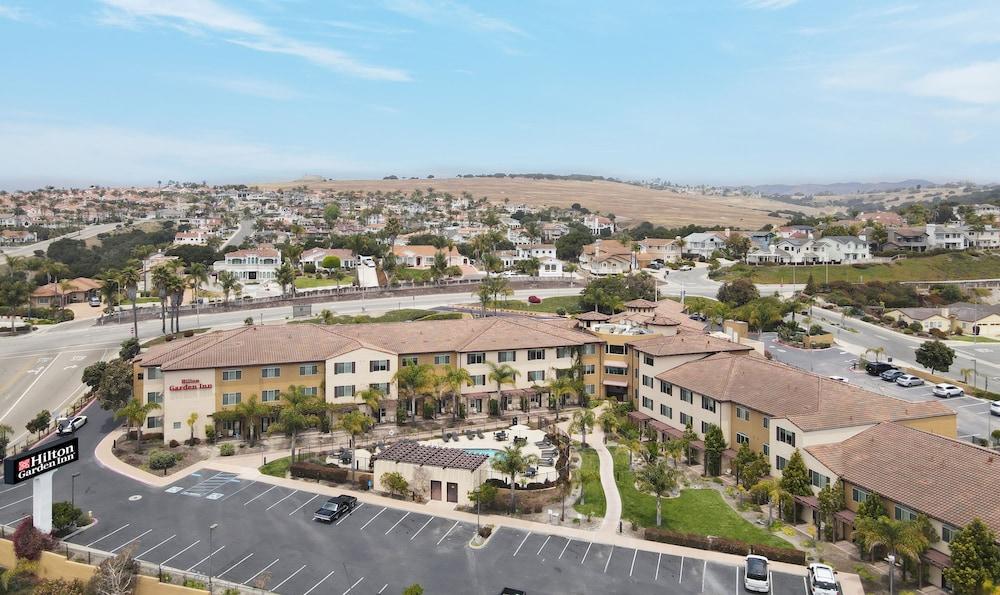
(780, 462)
(647, 359)
(156, 397)
(534, 354)
(338, 368)
(232, 374)
(154, 373)
(313, 369)
(666, 412)
(590, 389)
(310, 391)
(269, 396)
(647, 403)
(615, 349)
(442, 359)
(686, 396)
(564, 352)
(742, 413)
(589, 368)
(231, 398)
(708, 404)
(904, 514)
(506, 356)
(536, 376)
(177, 425)
(705, 426)
(859, 495)
(647, 381)
(343, 391)
(666, 388)
(409, 360)
(382, 387)
(766, 449)
(817, 479)
(767, 422)
(589, 349)
(475, 358)
(785, 436)
(154, 422)
(742, 438)
(615, 371)
(947, 533)
(270, 372)
(686, 419)
(378, 365)
(479, 380)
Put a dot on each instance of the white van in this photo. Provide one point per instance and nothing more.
(757, 575)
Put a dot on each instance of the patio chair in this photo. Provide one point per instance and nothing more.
(479, 433)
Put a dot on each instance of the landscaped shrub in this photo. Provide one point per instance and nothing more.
(428, 411)
(65, 517)
(59, 586)
(916, 327)
(318, 472)
(29, 542)
(494, 407)
(227, 450)
(730, 546)
(210, 433)
(173, 444)
(937, 333)
(161, 459)
(400, 415)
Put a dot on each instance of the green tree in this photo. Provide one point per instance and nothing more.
(583, 420)
(455, 378)
(93, 374)
(196, 277)
(715, 444)
(810, 285)
(191, 421)
(115, 388)
(737, 246)
(250, 412)
(135, 413)
(758, 469)
(229, 284)
(439, 266)
(935, 355)
(512, 461)
(744, 457)
(6, 431)
(354, 423)
(297, 413)
(688, 438)
(129, 278)
(129, 349)
(738, 292)
(330, 262)
(395, 483)
(502, 374)
(414, 589)
(286, 277)
(372, 398)
(771, 488)
(331, 212)
(975, 559)
(795, 480)
(675, 449)
(902, 539)
(658, 479)
(413, 381)
(39, 423)
(484, 495)
(831, 501)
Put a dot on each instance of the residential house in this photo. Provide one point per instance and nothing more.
(60, 293)
(253, 265)
(315, 256)
(536, 251)
(664, 250)
(889, 219)
(607, 257)
(599, 225)
(552, 231)
(946, 237)
(17, 236)
(912, 239)
(195, 237)
(972, 319)
(796, 231)
(422, 257)
(703, 245)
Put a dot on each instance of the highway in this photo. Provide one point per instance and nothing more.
(86, 232)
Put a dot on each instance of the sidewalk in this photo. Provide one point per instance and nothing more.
(613, 500)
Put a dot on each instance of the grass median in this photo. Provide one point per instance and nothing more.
(593, 503)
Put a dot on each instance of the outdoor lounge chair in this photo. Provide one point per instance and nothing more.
(479, 433)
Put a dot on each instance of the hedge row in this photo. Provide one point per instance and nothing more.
(728, 546)
(318, 472)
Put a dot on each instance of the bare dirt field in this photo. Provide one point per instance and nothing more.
(634, 203)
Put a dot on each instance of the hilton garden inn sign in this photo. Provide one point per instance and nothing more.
(38, 465)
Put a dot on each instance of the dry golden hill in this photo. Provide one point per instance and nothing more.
(626, 201)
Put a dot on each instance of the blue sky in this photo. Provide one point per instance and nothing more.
(706, 91)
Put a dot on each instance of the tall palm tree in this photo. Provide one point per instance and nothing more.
(502, 374)
(297, 413)
(559, 387)
(161, 279)
(286, 278)
(413, 381)
(191, 420)
(251, 411)
(175, 289)
(899, 538)
(372, 398)
(583, 420)
(658, 478)
(196, 277)
(455, 378)
(511, 462)
(129, 278)
(354, 423)
(65, 286)
(135, 413)
(674, 449)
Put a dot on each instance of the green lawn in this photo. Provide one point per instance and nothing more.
(569, 303)
(593, 494)
(932, 268)
(700, 512)
(971, 339)
(415, 275)
(277, 467)
(309, 282)
(403, 315)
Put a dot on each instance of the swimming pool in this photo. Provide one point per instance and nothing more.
(490, 452)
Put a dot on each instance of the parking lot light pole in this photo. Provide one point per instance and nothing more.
(892, 572)
(72, 489)
(211, 533)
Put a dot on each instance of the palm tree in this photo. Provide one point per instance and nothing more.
(674, 449)
(372, 398)
(285, 278)
(455, 379)
(512, 462)
(296, 414)
(135, 414)
(583, 420)
(229, 283)
(251, 411)
(354, 423)
(129, 278)
(161, 279)
(502, 374)
(196, 277)
(110, 285)
(659, 479)
(439, 266)
(899, 538)
(609, 421)
(413, 381)
(175, 290)
(65, 286)
(775, 495)
(191, 420)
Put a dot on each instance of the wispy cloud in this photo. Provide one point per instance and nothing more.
(366, 28)
(251, 87)
(448, 12)
(977, 83)
(12, 13)
(196, 16)
(769, 4)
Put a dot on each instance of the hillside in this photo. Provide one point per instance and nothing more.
(942, 267)
(629, 203)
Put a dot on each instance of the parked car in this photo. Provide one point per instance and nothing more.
(891, 375)
(947, 391)
(534, 299)
(68, 425)
(877, 368)
(334, 508)
(685, 267)
(995, 408)
(655, 266)
(840, 379)
(94, 301)
(909, 380)
(699, 317)
(822, 580)
(756, 577)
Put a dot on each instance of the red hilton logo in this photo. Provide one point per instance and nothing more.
(22, 465)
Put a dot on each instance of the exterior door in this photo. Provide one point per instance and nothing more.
(436, 490)
(452, 491)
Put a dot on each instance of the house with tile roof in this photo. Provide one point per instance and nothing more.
(973, 319)
(607, 257)
(60, 293)
(253, 265)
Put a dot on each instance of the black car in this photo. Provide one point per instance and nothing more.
(876, 368)
(334, 508)
(699, 317)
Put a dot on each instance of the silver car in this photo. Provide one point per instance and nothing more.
(909, 380)
(947, 391)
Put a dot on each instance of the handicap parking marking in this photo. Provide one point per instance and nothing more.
(279, 585)
(214, 496)
(173, 489)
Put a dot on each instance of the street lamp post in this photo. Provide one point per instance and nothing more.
(892, 572)
(72, 489)
(211, 534)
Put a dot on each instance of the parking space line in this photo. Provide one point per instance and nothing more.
(155, 546)
(282, 500)
(261, 571)
(15, 502)
(397, 523)
(131, 540)
(738, 579)
(278, 586)
(259, 495)
(16, 521)
(522, 543)
(354, 585)
(245, 558)
(319, 583)
(343, 518)
(704, 571)
(635, 553)
(221, 547)
(304, 505)
(972, 405)
(384, 587)
(656, 576)
(805, 583)
(539, 553)
(164, 563)
(586, 552)
(13, 488)
(421, 528)
(108, 535)
(445, 535)
(252, 482)
(373, 518)
(568, 540)
(608, 563)
(680, 575)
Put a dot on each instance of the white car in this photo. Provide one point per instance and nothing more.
(69, 425)
(757, 577)
(822, 580)
(995, 408)
(909, 380)
(685, 267)
(840, 379)
(947, 390)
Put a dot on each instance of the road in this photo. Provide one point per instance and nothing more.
(87, 232)
(265, 536)
(974, 417)
(244, 230)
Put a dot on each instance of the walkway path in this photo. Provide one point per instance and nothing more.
(613, 500)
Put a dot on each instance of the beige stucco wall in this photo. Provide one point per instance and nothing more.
(179, 405)
(362, 376)
(420, 477)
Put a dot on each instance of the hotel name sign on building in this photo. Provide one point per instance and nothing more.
(190, 384)
(30, 464)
